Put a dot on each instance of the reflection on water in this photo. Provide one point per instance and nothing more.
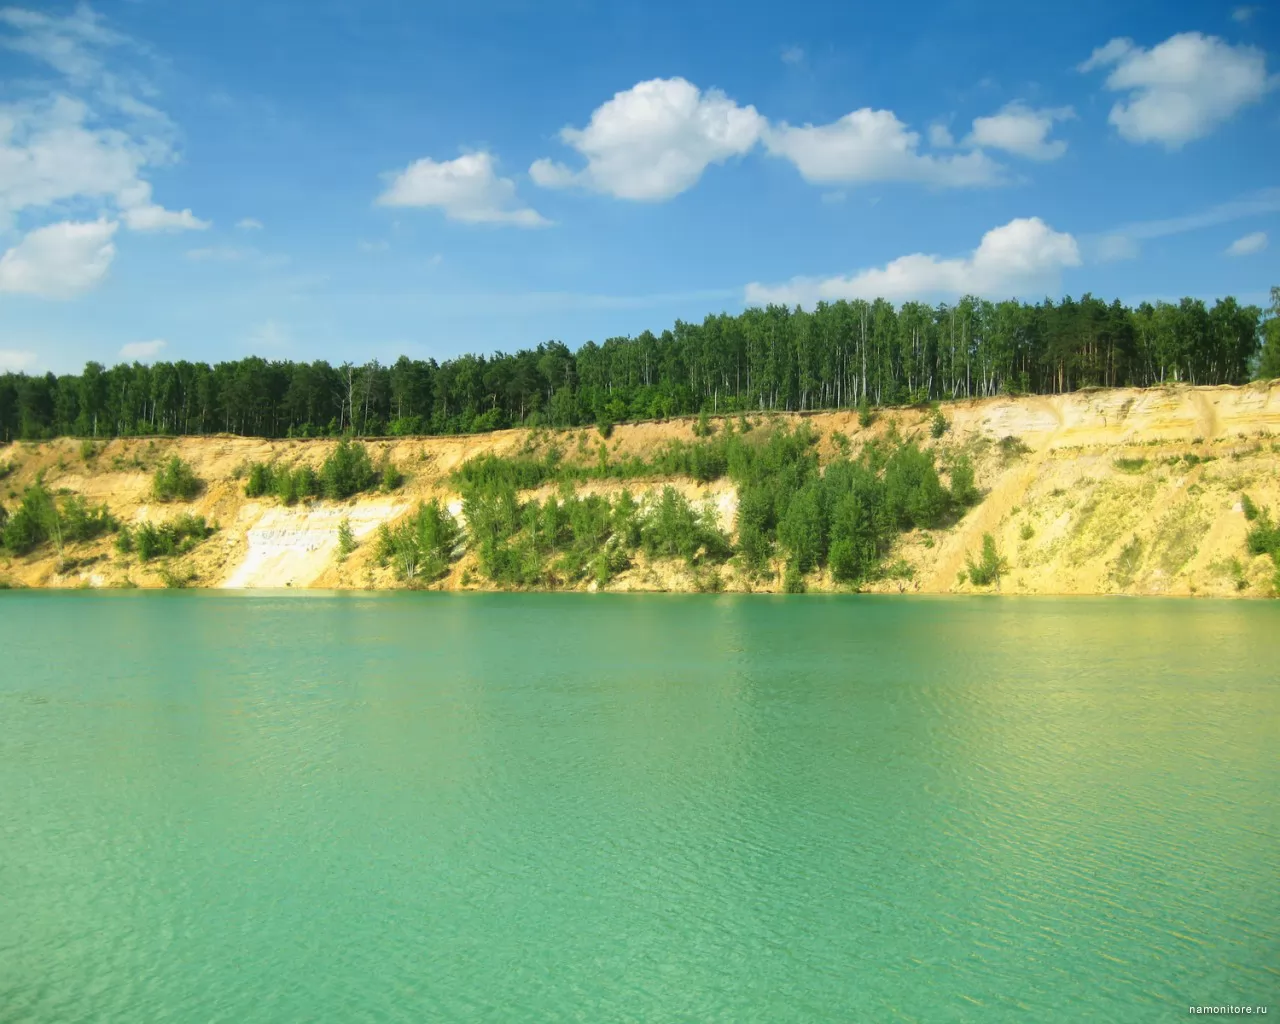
(444, 807)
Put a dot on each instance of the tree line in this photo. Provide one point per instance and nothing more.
(840, 355)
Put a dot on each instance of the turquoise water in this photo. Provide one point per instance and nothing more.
(218, 807)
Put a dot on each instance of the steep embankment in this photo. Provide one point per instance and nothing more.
(1122, 491)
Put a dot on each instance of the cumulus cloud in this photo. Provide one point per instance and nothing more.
(1180, 89)
(249, 224)
(59, 260)
(1023, 255)
(141, 351)
(654, 141)
(1020, 130)
(873, 145)
(14, 360)
(87, 140)
(1248, 245)
(467, 189)
(940, 136)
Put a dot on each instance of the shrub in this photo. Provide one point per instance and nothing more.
(963, 491)
(160, 540)
(420, 545)
(174, 480)
(793, 580)
(938, 426)
(388, 474)
(88, 450)
(347, 471)
(346, 539)
(81, 521)
(1134, 465)
(1248, 507)
(865, 415)
(32, 523)
(989, 568)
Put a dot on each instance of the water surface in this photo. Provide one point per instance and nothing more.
(223, 807)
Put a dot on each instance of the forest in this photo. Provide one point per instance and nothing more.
(840, 355)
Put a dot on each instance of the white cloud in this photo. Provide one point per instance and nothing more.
(654, 140)
(85, 142)
(1023, 255)
(249, 224)
(1181, 89)
(1116, 247)
(59, 260)
(1243, 15)
(66, 44)
(148, 216)
(1022, 131)
(16, 360)
(1122, 243)
(873, 145)
(793, 55)
(466, 189)
(940, 136)
(1248, 245)
(141, 351)
(380, 245)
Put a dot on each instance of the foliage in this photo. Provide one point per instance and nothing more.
(841, 355)
(989, 568)
(1130, 465)
(348, 470)
(39, 519)
(88, 450)
(793, 580)
(32, 523)
(177, 536)
(290, 486)
(174, 481)
(346, 538)
(865, 416)
(421, 545)
(1012, 448)
(963, 491)
(938, 425)
(80, 521)
(1248, 507)
(388, 475)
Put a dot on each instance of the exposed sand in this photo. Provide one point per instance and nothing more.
(1065, 516)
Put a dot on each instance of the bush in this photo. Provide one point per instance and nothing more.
(174, 481)
(963, 491)
(160, 540)
(389, 475)
(793, 580)
(80, 521)
(346, 539)
(865, 416)
(989, 568)
(32, 523)
(938, 426)
(347, 471)
(1248, 507)
(421, 545)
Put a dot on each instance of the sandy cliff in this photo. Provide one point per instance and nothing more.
(1120, 491)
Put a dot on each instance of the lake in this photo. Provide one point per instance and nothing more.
(440, 807)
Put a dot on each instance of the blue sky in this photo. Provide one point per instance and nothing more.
(356, 180)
